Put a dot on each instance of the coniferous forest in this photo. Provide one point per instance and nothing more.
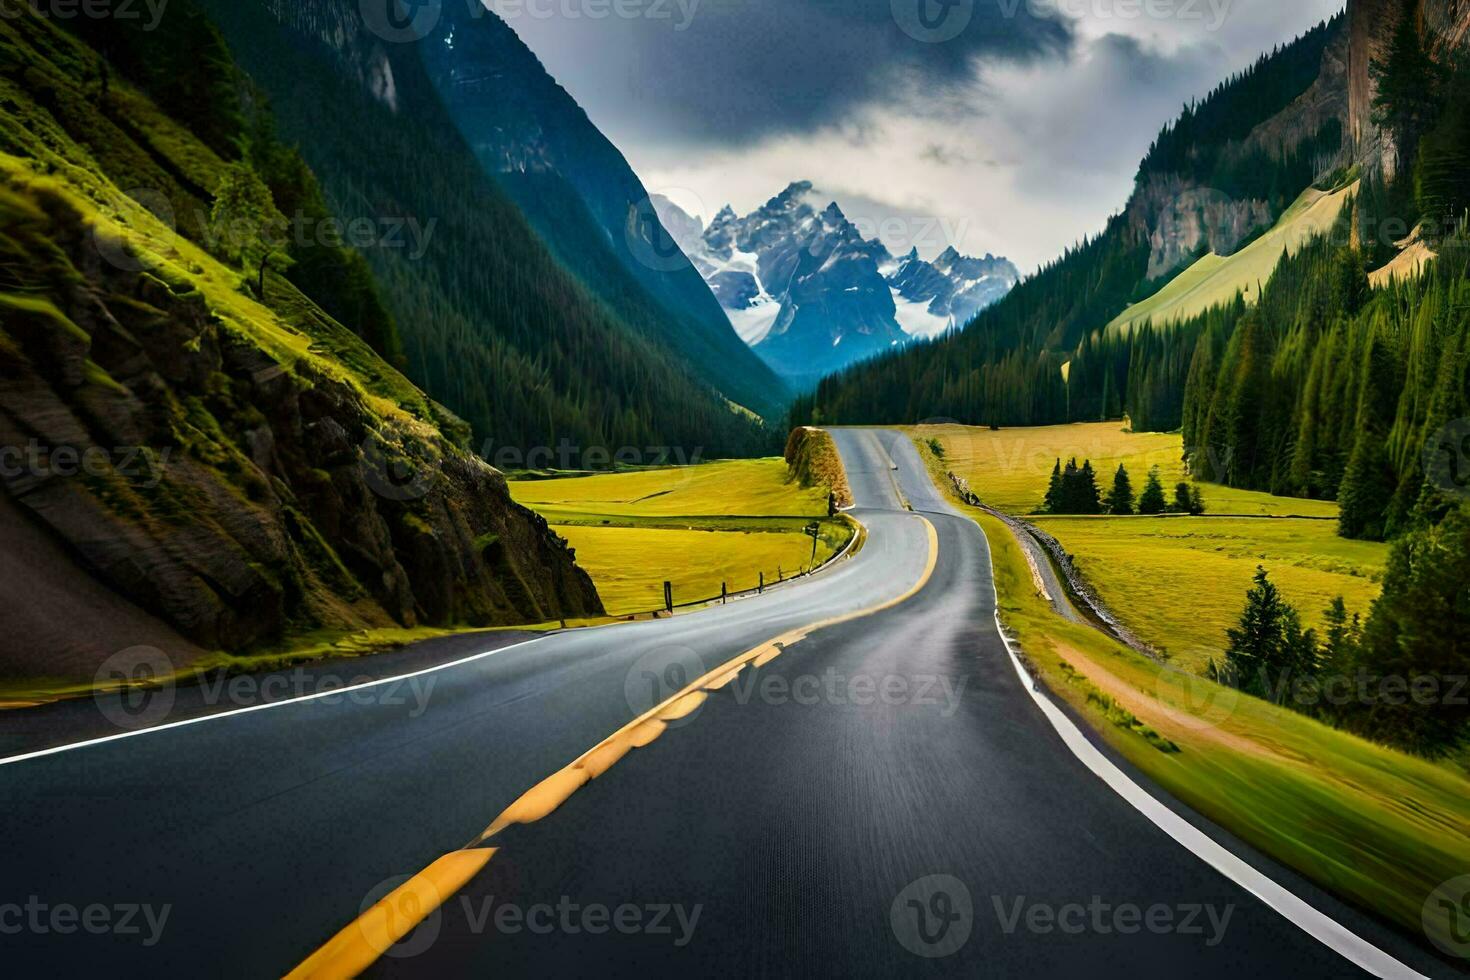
(1326, 388)
(454, 287)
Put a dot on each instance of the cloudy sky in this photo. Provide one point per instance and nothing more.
(1005, 126)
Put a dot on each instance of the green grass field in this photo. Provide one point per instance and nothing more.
(1180, 583)
(743, 488)
(1176, 582)
(630, 565)
(698, 527)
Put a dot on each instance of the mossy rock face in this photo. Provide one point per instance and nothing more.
(257, 498)
(243, 473)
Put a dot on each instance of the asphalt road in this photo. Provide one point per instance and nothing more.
(785, 827)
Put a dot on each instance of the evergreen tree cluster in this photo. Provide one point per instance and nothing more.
(1330, 390)
(1073, 490)
(1269, 652)
(1400, 678)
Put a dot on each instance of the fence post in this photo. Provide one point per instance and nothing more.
(669, 597)
(761, 589)
(724, 594)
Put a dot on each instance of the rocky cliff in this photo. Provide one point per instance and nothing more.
(1445, 25)
(234, 470)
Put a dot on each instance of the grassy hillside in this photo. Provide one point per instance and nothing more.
(695, 526)
(252, 472)
(1215, 280)
(1178, 582)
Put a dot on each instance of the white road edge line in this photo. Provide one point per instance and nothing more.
(366, 685)
(335, 692)
(1319, 926)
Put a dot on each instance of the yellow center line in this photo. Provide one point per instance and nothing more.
(398, 913)
(364, 940)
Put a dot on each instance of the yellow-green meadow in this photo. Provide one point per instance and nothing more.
(697, 527)
(1177, 582)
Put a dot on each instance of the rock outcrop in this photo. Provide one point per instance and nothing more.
(238, 497)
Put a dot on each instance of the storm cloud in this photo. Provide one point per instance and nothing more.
(1018, 134)
(729, 71)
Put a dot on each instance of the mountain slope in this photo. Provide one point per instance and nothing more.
(1323, 359)
(492, 323)
(1218, 176)
(580, 194)
(207, 468)
(811, 295)
(1215, 280)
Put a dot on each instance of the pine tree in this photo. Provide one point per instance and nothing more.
(1121, 499)
(1367, 490)
(1408, 84)
(1269, 652)
(1418, 630)
(1089, 495)
(1181, 499)
(1055, 502)
(1341, 638)
(1152, 502)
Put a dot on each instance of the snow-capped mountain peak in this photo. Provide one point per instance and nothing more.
(811, 295)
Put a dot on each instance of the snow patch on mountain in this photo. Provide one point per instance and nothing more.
(811, 295)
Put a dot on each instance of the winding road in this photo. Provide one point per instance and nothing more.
(881, 793)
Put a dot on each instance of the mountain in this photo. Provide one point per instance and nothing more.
(811, 295)
(1213, 181)
(583, 198)
(1287, 285)
(494, 321)
(199, 458)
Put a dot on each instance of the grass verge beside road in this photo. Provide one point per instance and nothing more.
(1378, 827)
(698, 527)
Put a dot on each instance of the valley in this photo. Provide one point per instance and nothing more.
(436, 544)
